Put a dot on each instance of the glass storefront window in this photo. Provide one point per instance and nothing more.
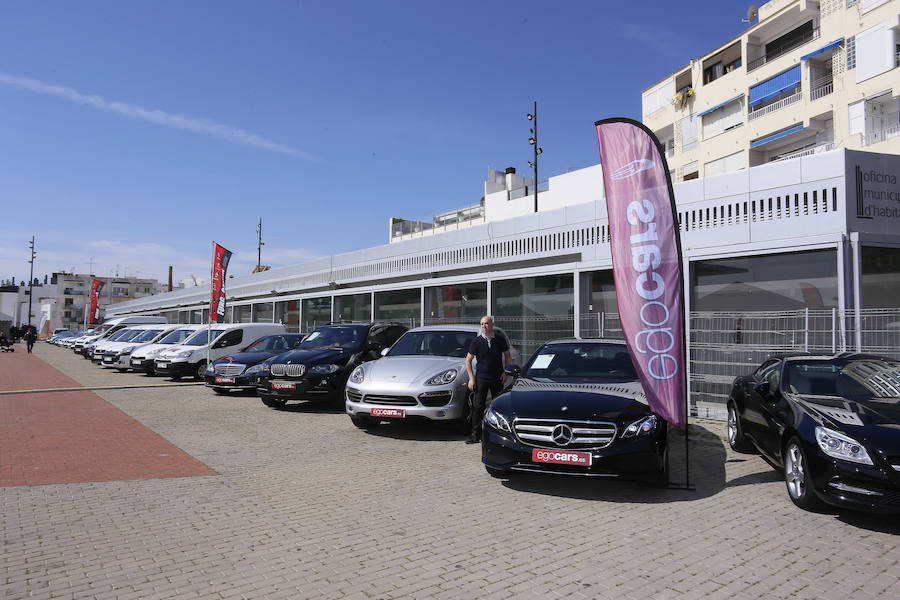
(288, 314)
(880, 287)
(599, 313)
(316, 312)
(533, 310)
(403, 306)
(788, 281)
(184, 317)
(196, 317)
(464, 303)
(263, 312)
(242, 314)
(357, 307)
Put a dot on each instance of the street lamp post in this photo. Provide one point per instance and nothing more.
(31, 281)
(533, 140)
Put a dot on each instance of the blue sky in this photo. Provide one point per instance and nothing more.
(132, 134)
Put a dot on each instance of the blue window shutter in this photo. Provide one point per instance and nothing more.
(772, 87)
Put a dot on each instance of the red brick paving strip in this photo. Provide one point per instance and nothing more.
(74, 437)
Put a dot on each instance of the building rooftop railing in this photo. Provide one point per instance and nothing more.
(817, 149)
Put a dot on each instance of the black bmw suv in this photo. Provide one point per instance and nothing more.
(319, 367)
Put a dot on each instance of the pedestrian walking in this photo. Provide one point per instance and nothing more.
(30, 337)
(492, 352)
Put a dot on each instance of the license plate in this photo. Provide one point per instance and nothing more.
(390, 413)
(224, 379)
(561, 457)
(107, 359)
(161, 365)
(283, 385)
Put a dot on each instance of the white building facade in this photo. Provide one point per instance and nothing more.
(807, 77)
(815, 233)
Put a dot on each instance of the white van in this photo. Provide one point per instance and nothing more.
(117, 354)
(142, 358)
(189, 357)
(108, 328)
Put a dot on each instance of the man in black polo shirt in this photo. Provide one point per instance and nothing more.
(492, 353)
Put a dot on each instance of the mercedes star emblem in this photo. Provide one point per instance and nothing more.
(562, 434)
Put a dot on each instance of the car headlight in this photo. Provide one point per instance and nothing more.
(323, 369)
(641, 427)
(357, 375)
(497, 421)
(260, 369)
(443, 378)
(183, 354)
(838, 445)
(127, 349)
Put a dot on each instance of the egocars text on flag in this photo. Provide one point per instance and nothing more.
(646, 253)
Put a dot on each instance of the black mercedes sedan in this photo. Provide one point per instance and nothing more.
(319, 367)
(576, 408)
(240, 372)
(831, 423)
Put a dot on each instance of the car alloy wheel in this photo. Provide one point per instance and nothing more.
(736, 438)
(201, 371)
(796, 477)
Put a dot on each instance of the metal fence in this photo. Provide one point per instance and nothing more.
(723, 345)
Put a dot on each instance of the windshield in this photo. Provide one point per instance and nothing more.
(177, 336)
(433, 343)
(274, 343)
(855, 378)
(128, 335)
(146, 335)
(199, 338)
(348, 337)
(581, 363)
(118, 335)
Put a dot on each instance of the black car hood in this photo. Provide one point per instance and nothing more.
(602, 401)
(315, 356)
(864, 420)
(245, 358)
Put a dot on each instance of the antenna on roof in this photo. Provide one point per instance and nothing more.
(752, 14)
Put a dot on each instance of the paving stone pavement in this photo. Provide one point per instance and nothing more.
(307, 506)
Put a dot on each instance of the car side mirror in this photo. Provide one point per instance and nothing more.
(384, 351)
(513, 370)
(762, 388)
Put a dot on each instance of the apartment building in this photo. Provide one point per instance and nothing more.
(806, 77)
(73, 295)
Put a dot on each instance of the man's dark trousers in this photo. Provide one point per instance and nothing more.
(479, 398)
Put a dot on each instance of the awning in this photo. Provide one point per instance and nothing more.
(775, 136)
(709, 110)
(830, 46)
(772, 87)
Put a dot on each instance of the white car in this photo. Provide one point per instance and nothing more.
(189, 357)
(142, 358)
(117, 354)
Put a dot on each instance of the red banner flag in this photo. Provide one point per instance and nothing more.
(646, 253)
(221, 257)
(96, 287)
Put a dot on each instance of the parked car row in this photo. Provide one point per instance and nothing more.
(831, 424)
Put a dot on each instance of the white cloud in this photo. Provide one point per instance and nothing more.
(187, 123)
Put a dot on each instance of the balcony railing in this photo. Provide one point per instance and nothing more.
(804, 152)
(781, 50)
(822, 90)
(769, 108)
(873, 137)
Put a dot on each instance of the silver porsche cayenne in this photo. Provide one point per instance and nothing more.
(423, 375)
